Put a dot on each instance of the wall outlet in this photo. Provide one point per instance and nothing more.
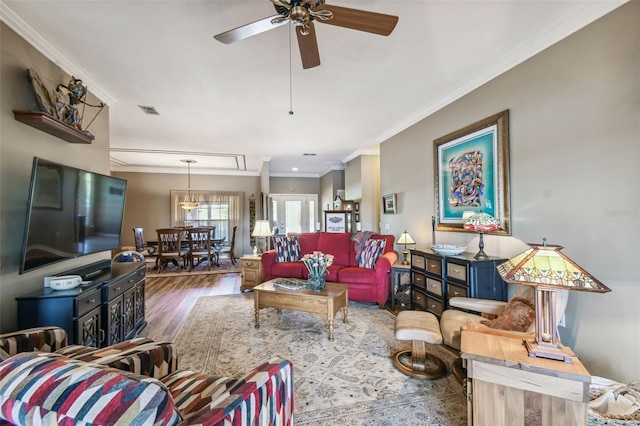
(561, 323)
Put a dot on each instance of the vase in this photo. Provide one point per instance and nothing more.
(316, 282)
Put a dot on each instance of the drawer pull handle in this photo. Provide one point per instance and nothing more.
(456, 270)
(91, 301)
(117, 289)
(455, 293)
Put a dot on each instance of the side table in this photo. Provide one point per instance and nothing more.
(251, 271)
(507, 387)
(400, 285)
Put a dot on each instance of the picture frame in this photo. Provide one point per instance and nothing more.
(471, 167)
(389, 204)
(356, 206)
(335, 221)
(356, 217)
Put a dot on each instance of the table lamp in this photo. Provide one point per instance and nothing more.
(481, 223)
(261, 230)
(405, 239)
(545, 268)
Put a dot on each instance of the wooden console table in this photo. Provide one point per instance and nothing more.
(507, 387)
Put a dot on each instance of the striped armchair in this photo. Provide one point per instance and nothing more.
(150, 390)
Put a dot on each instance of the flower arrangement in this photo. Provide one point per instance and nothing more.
(317, 264)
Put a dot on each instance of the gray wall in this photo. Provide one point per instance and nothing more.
(574, 141)
(19, 143)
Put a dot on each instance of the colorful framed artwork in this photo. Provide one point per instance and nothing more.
(472, 173)
(389, 204)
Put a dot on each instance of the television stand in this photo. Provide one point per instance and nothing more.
(108, 310)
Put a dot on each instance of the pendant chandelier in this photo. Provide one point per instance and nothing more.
(190, 203)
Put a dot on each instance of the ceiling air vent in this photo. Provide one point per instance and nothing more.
(149, 110)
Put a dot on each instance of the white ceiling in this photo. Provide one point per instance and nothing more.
(227, 106)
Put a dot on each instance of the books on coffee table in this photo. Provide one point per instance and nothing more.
(290, 283)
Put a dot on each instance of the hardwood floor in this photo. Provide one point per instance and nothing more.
(169, 299)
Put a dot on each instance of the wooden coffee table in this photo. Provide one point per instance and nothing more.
(325, 303)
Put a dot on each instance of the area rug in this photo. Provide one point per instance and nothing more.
(225, 267)
(348, 381)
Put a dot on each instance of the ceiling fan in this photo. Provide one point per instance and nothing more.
(302, 13)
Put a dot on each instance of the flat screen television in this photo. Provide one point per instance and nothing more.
(70, 213)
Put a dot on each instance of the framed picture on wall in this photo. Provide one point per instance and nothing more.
(389, 204)
(472, 173)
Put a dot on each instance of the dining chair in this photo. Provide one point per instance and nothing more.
(200, 247)
(229, 250)
(170, 247)
(148, 251)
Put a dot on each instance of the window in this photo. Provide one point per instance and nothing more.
(212, 214)
(220, 209)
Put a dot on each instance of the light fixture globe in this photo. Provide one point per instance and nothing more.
(190, 203)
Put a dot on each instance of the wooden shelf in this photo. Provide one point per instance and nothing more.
(46, 123)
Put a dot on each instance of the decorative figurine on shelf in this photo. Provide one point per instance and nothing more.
(77, 93)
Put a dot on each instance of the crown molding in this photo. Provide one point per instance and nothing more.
(55, 55)
(591, 12)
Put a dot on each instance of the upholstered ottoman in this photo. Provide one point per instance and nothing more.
(421, 328)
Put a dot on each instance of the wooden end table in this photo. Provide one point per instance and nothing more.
(507, 387)
(325, 303)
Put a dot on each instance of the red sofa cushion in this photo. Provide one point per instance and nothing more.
(288, 270)
(337, 244)
(308, 242)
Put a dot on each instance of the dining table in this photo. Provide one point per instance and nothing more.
(216, 246)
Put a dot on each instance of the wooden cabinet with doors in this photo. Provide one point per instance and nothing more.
(251, 271)
(106, 310)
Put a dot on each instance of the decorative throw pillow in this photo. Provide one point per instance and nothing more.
(372, 250)
(517, 316)
(287, 248)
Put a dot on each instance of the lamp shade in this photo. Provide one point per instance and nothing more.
(261, 229)
(544, 266)
(405, 238)
(481, 222)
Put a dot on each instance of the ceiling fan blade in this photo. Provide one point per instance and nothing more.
(361, 20)
(249, 30)
(308, 45)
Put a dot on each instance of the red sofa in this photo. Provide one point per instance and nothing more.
(365, 285)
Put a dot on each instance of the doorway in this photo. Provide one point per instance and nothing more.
(294, 213)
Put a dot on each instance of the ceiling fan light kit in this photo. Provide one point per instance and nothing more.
(302, 13)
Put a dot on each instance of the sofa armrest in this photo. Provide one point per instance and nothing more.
(141, 355)
(383, 267)
(40, 339)
(494, 307)
(264, 396)
(268, 259)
